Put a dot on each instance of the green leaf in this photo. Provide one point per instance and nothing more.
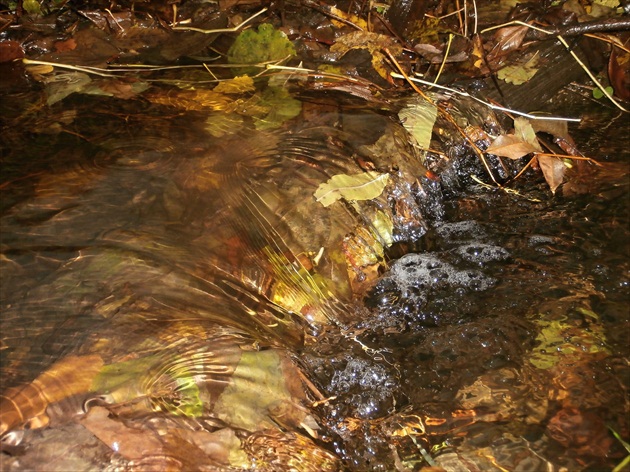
(597, 93)
(518, 74)
(418, 119)
(365, 186)
(282, 107)
(254, 47)
(32, 7)
(257, 392)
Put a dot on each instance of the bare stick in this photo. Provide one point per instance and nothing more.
(220, 30)
(489, 105)
(577, 59)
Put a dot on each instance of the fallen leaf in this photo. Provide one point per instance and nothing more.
(365, 186)
(72, 375)
(257, 395)
(354, 19)
(519, 74)
(281, 105)
(373, 42)
(67, 45)
(508, 145)
(556, 128)
(265, 44)
(240, 84)
(122, 89)
(10, 50)
(418, 118)
(62, 85)
(507, 39)
(553, 170)
(524, 130)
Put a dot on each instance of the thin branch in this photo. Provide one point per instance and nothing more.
(448, 48)
(489, 105)
(234, 29)
(577, 59)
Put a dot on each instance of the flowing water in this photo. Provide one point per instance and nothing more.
(175, 297)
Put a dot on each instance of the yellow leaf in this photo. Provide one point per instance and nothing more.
(523, 129)
(418, 118)
(373, 42)
(518, 74)
(348, 17)
(365, 186)
(240, 84)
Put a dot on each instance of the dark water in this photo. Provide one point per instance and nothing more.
(199, 307)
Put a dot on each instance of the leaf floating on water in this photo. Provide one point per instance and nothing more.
(518, 74)
(365, 186)
(418, 118)
(237, 85)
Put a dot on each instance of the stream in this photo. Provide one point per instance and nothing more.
(175, 295)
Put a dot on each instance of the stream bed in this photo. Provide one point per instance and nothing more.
(175, 296)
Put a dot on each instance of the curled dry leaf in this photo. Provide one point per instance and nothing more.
(510, 146)
(553, 170)
(506, 40)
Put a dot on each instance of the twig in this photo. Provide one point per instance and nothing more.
(565, 44)
(490, 105)
(446, 116)
(87, 70)
(448, 48)
(234, 29)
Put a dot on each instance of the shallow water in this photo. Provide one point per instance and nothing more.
(175, 260)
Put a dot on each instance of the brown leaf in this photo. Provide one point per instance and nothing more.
(67, 45)
(508, 145)
(10, 50)
(507, 39)
(553, 170)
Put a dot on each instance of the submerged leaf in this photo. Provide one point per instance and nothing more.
(418, 118)
(518, 74)
(240, 84)
(281, 105)
(365, 186)
(64, 84)
(260, 393)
